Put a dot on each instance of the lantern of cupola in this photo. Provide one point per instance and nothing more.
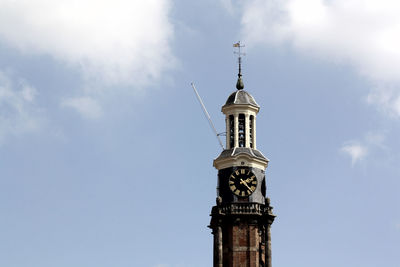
(240, 112)
(240, 115)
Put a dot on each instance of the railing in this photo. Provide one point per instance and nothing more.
(244, 208)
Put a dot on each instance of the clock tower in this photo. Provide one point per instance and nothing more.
(242, 217)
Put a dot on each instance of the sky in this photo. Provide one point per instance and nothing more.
(106, 156)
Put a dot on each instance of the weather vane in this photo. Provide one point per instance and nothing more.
(238, 45)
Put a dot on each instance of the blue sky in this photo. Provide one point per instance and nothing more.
(106, 157)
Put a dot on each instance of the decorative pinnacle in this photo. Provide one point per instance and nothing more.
(239, 83)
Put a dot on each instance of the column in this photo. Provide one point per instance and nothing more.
(228, 132)
(254, 132)
(268, 259)
(247, 130)
(236, 130)
(218, 261)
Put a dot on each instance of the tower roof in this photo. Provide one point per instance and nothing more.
(241, 97)
(232, 152)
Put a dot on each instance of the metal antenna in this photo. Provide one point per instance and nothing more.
(208, 116)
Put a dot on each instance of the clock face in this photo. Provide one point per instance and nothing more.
(242, 182)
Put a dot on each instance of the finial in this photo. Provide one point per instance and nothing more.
(239, 83)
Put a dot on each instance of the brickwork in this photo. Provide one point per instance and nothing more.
(242, 245)
(242, 235)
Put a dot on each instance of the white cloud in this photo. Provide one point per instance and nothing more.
(357, 152)
(117, 42)
(88, 107)
(362, 33)
(360, 149)
(18, 111)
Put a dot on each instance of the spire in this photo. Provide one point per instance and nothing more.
(239, 83)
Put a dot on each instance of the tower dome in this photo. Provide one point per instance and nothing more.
(241, 97)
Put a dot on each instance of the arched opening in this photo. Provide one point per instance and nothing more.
(251, 127)
(242, 131)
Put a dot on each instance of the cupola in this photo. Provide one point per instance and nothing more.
(240, 111)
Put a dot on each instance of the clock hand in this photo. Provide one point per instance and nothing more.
(243, 182)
